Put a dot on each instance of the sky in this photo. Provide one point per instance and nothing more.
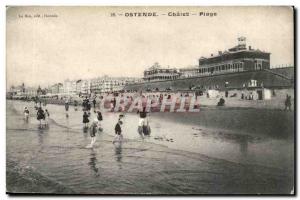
(86, 42)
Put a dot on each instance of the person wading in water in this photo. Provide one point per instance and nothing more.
(40, 116)
(93, 131)
(143, 126)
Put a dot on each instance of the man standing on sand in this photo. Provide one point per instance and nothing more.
(94, 103)
(288, 103)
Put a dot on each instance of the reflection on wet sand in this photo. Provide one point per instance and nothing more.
(41, 137)
(118, 155)
(92, 163)
(42, 133)
(85, 132)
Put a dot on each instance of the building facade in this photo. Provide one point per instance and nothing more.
(56, 88)
(17, 90)
(69, 87)
(236, 59)
(157, 73)
(111, 84)
(78, 86)
(85, 87)
(189, 72)
(30, 91)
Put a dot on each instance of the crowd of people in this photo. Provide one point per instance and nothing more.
(42, 115)
(93, 126)
(94, 102)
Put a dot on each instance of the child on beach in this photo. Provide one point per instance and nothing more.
(26, 113)
(67, 107)
(121, 116)
(99, 118)
(85, 119)
(47, 115)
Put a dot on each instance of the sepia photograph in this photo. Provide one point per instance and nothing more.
(150, 100)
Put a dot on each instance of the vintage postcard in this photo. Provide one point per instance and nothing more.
(150, 100)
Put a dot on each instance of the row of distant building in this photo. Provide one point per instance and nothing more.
(77, 87)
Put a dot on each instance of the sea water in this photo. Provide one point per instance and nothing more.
(211, 152)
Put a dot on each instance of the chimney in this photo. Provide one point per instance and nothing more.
(220, 53)
(250, 48)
